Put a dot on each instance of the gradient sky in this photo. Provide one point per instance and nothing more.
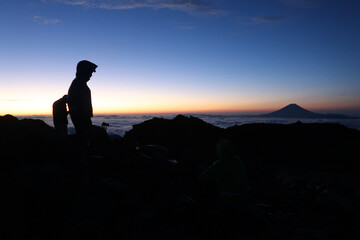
(182, 55)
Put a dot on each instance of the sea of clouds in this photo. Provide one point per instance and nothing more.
(119, 124)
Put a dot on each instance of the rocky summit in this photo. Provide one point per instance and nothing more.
(303, 182)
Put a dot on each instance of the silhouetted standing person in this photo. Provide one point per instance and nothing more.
(79, 102)
(60, 113)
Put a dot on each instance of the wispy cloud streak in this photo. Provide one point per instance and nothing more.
(265, 20)
(190, 6)
(44, 20)
(14, 100)
(188, 27)
(302, 3)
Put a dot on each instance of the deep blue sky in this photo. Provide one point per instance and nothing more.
(182, 55)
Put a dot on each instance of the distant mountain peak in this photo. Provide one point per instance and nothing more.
(295, 111)
(292, 105)
(292, 111)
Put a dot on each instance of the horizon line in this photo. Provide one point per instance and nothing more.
(355, 113)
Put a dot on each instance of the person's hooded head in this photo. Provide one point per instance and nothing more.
(84, 70)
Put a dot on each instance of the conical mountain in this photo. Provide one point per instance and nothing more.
(293, 111)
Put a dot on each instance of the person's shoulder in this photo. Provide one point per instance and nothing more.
(217, 164)
(73, 82)
(76, 84)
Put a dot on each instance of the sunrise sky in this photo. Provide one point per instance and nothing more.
(182, 56)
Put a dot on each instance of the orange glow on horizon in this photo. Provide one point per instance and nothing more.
(155, 111)
(162, 102)
(28, 99)
(141, 110)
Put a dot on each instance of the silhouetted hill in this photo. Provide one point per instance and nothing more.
(295, 111)
(146, 183)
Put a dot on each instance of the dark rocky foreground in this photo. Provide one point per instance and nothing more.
(303, 182)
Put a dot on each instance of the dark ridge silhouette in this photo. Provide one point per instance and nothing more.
(295, 111)
(299, 181)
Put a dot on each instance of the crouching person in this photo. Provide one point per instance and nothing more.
(225, 182)
(223, 191)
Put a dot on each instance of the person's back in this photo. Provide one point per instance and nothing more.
(79, 99)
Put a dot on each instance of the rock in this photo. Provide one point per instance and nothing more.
(303, 177)
(177, 135)
(29, 141)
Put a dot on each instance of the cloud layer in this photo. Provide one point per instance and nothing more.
(190, 6)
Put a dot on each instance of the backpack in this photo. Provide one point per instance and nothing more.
(60, 111)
